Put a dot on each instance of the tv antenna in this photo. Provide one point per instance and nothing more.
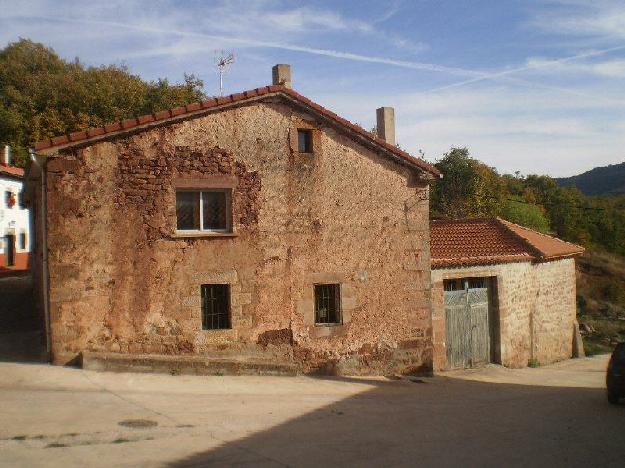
(223, 61)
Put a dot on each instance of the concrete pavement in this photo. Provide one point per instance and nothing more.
(556, 415)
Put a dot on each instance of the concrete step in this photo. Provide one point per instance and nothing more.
(185, 365)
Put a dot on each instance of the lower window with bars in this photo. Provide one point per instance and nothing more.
(215, 306)
(327, 304)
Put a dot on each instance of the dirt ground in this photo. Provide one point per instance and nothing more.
(551, 416)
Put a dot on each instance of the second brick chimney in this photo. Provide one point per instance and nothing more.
(386, 124)
(282, 75)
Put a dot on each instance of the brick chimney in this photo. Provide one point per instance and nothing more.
(6, 155)
(386, 124)
(282, 75)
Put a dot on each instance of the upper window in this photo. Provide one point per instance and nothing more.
(9, 199)
(327, 304)
(304, 141)
(207, 210)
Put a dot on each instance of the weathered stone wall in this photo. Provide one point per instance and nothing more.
(554, 310)
(538, 297)
(122, 280)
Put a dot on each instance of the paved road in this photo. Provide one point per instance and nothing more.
(552, 416)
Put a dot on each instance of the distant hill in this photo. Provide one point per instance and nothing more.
(608, 180)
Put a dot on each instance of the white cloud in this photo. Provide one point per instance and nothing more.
(608, 69)
(603, 19)
(511, 128)
(264, 23)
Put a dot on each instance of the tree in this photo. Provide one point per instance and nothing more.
(526, 214)
(42, 95)
(468, 188)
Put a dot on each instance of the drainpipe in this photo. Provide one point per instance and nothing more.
(43, 193)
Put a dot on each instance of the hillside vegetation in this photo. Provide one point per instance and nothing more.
(42, 95)
(607, 180)
(601, 300)
(469, 188)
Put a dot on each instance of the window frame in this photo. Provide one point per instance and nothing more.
(309, 147)
(227, 303)
(228, 196)
(338, 303)
(8, 196)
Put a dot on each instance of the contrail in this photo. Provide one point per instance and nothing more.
(278, 45)
(505, 73)
(474, 76)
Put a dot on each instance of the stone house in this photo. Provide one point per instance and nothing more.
(501, 293)
(257, 228)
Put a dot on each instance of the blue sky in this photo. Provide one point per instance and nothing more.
(534, 86)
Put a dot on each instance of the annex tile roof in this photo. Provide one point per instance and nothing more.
(470, 242)
(11, 171)
(201, 108)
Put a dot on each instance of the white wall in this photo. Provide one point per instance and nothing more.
(14, 220)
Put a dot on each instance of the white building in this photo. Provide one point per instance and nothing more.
(14, 217)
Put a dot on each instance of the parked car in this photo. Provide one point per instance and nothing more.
(616, 374)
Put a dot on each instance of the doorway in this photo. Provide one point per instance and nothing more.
(10, 250)
(471, 322)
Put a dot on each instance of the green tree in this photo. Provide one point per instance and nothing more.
(468, 188)
(42, 95)
(519, 211)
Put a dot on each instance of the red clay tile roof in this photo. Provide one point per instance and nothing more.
(471, 242)
(547, 246)
(111, 129)
(11, 171)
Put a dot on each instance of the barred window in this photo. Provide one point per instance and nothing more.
(207, 210)
(327, 304)
(215, 306)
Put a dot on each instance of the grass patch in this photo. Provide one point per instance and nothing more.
(56, 445)
(121, 440)
(593, 348)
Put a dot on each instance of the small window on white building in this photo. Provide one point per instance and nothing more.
(203, 211)
(9, 199)
(22, 240)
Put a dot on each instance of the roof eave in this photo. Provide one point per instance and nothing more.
(58, 144)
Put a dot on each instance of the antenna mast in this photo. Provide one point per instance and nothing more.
(223, 61)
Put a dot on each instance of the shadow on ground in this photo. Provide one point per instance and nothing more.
(21, 329)
(441, 422)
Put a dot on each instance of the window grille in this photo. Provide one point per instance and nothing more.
(327, 304)
(215, 306)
